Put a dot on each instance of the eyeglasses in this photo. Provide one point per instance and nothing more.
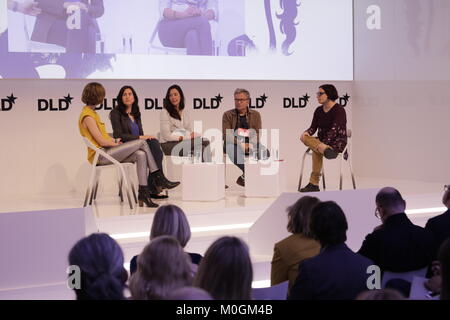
(240, 100)
(377, 213)
(320, 93)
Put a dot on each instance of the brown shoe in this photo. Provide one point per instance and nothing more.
(241, 181)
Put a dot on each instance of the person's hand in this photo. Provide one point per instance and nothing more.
(148, 137)
(194, 135)
(117, 142)
(80, 5)
(191, 11)
(436, 268)
(434, 284)
(30, 8)
(302, 137)
(180, 138)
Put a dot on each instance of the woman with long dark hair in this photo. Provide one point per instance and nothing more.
(127, 125)
(177, 136)
(93, 128)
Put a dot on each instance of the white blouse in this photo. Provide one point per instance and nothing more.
(172, 129)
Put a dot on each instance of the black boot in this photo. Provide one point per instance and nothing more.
(144, 197)
(161, 180)
(310, 188)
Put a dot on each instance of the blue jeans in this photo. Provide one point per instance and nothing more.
(237, 155)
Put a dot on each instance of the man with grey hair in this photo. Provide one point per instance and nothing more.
(240, 129)
(397, 245)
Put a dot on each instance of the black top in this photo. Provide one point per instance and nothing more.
(399, 245)
(440, 227)
(195, 258)
(242, 123)
(122, 127)
(331, 126)
(336, 273)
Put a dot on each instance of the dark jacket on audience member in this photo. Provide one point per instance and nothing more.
(440, 227)
(195, 259)
(336, 273)
(121, 126)
(399, 245)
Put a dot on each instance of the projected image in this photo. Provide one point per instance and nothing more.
(183, 39)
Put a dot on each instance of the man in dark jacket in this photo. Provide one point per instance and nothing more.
(397, 245)
(336, 273)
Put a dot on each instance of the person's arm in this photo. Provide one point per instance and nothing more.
(210, 12)
(314, 124)
(254, 133)
(170, 14)
(118, 130)
(28, 7)
(337, 129)
(91, 125)
(227, 129)
(279, 270)
(53, 8)
(166, 134)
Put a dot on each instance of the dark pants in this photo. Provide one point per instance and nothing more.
(155, 148)
(192, 33)
(186, 147)
(237, 155)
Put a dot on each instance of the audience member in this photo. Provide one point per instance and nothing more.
(397, 245)
(170, 220)
(440, 225)
(289, 252)
(162, 267)
(336, 273)
(100, 260)
(380, 294)
(189, 293)
(226, 270)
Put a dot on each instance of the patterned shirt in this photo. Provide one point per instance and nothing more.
(332, 126)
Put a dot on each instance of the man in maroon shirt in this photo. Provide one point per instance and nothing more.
(331, 122)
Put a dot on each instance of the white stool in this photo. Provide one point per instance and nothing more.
(260, 181)
(203, 181)
(340, 158)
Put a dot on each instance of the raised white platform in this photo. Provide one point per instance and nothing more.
(233, 215)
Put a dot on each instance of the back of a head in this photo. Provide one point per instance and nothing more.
(299, 215)
(380, 294)
(170, 220)
(100, 260)
(162, 267)
(444, 259)
(328, 223)
(390, 200)
(189, 293)
(226, 270)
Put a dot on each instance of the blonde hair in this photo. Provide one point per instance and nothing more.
(162, 267)
(171, 220)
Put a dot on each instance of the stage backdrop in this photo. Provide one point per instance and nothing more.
(43, 154)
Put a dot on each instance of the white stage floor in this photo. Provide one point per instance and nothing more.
(209, 220)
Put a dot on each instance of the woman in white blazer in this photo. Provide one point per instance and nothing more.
(177, 137)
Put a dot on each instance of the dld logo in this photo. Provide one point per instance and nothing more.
(60, 105)
(207, 104)
(152, 104)
(344, 100)
(105, 106)
(259, 102)
(300, 102)
(7, 104)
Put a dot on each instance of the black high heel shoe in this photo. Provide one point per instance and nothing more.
(162, 182)
(158, 196)
(145, 197)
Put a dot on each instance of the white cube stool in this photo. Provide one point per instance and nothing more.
(203, 181)
(264, 178)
